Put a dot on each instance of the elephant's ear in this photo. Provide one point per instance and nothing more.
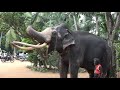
(68, 40)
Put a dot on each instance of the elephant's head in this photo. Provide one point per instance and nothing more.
(58, 37)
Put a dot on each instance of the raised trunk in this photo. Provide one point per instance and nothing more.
(41, 37)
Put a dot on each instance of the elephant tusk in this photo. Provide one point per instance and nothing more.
(31, 45)
(23, 48)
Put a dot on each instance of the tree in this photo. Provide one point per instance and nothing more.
(113, 24)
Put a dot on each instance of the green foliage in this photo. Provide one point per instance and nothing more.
(38, 69)
(53, 59)
(32, 57)
(117, 47)
(10, 36)
(52, 62)
(27, 40)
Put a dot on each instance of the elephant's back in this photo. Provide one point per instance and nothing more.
(88, 39)
(87, 36)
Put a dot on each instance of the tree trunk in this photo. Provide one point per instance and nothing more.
(34, 18)
(41, 52)
(97, 26)
(117, 64)
(1, 39)
(14, 52)
(110, 40)
(75, 22)
(45, 64)
(111, 29)
(1, 43)
(35, 62)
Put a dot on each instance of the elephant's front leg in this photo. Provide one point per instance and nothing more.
(63, 69)
(74, 70)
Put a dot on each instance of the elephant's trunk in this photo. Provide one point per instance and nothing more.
(41, 37)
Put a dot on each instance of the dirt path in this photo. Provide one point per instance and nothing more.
(18, 70)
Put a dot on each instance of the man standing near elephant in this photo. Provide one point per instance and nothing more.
(98, 68)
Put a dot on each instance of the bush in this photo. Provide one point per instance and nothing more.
(32, 57)
(53, 59)
(49, 63)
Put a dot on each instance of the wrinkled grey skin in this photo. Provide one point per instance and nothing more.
(78, 49)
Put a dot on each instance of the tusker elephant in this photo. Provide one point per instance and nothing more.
(76, 48)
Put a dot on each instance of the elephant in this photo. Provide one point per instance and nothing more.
(76, 48)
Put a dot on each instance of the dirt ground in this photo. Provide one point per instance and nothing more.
(18, 70)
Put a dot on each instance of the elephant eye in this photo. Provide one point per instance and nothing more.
(65, 35)
(54, 33)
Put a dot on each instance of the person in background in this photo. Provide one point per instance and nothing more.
(98, 68)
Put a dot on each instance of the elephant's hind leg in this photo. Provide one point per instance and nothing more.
(91, 73)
